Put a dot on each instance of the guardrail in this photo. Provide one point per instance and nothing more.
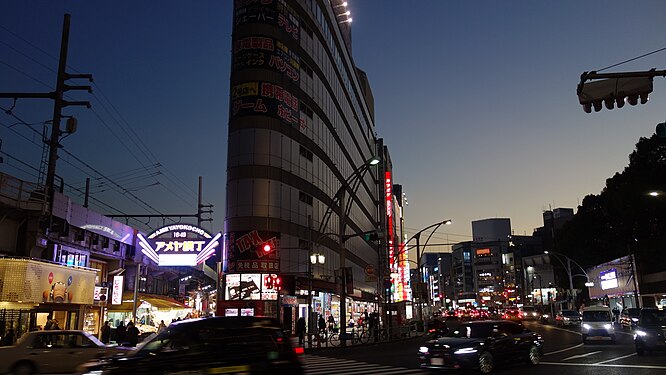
(358, 337)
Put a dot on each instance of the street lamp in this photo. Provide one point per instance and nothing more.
(357, 174)
(417, 236)
(567, 267)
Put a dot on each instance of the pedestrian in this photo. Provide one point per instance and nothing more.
(55, 325)
(8, 339)
(106, 332)
(322, 324)
(121, 333)
(373, 323)
(331, 323)
(161, 327)
(300, 330)
(132, 334)
(49, 322)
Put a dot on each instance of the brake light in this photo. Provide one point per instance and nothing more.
(299, 350)
(279, 339)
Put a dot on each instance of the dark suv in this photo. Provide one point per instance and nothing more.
(229, 345)
(649, 333)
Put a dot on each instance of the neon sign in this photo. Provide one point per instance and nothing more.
(179, 245)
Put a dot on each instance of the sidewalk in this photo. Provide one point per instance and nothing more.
(312, 343)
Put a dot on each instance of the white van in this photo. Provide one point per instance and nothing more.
(597, 324)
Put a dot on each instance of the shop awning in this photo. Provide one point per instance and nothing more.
(157, 301)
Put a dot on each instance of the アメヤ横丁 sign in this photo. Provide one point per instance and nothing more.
(179, 245)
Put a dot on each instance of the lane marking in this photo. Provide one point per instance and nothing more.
(581, 355)
(615, 359)
(602, 365)
(564, 350)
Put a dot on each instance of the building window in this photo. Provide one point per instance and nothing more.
(307, 110)
(305, 198)
(306, 28)
(306, 153)
(306, 69)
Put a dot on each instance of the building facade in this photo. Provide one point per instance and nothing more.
(301, 131)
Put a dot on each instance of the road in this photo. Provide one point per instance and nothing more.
(564, 353)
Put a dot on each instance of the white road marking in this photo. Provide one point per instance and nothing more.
(615, 359)
(602, 365)
(564, 350)
(581, 355)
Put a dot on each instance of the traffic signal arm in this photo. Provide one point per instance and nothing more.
(612, 89)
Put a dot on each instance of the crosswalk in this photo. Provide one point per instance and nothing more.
(318, 365)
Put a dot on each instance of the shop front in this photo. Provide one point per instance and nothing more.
(151, 309)
(32, 290)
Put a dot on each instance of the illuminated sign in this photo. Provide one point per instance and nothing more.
(485, 251)
(271, 12)
(117, 291)
(246, 254)
(264, 52)
(179, 245)
(265, 98)
(608, 279)
(250, 286)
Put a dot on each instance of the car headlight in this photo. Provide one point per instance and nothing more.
(641, 333)
(634, 319)
(586, 326)
(545, 315)
(95, 372)
(565, 318)
(465, 351)
(423, 349)
(608, 326)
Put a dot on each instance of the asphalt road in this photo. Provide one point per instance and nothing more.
(564, 353)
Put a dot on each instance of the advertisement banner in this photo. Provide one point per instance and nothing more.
(179, 245)
(243, 287)
(265, 98)
(264, 52)
(117, 290)
(31, 281)
(246, 252)
(271, 12)
(613, 279)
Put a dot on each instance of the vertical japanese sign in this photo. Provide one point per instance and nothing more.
(117, 291)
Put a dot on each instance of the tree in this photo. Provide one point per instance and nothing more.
(623, 218)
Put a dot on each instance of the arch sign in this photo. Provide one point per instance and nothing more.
(179, 245)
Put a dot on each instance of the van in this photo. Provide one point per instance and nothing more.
(597, 324)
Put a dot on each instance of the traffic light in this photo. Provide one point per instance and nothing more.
(613, 91)
(267, 248)
(371, 236)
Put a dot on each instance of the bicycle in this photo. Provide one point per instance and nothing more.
(354, 337)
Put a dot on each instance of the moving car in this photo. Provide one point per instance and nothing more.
(597, 324)
(53, 352)
(649, 333)
(567, 318)
(529, 313)
(511, 314)
(629, 317)
(481, 345)
(217, 345)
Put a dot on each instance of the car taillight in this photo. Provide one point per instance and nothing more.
(299, 350)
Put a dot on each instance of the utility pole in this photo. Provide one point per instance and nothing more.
(59, 104)
(343, 271)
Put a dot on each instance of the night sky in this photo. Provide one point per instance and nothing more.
(476, 100)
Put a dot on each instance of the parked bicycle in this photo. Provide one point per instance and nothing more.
(354, 337)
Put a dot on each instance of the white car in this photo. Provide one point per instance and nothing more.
(53, 352)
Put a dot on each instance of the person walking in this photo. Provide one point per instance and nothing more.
(132, 334)
(121, 333)
(106, 332)
(161, 327)
(321, 323)
(300, 330)
(49, 322)
(331, 323)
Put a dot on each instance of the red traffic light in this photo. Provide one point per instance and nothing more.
(267, 248)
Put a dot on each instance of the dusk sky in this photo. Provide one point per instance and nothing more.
(476, 100)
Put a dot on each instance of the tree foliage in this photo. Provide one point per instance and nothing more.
(624, 218)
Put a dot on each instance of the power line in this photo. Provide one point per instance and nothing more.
(635, 58)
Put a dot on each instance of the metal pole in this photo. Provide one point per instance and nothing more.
(419, 307)
(633, 276)
(310, 249)
(572, 301)
(343, 262)
(137, 277)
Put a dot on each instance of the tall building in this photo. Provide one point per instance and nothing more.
(461, 273)
(301, 131)
(490, 254)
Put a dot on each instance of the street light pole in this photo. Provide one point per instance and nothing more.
(567, 266)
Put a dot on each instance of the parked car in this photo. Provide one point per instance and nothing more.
(629, 317)
(481, 345)
(597, 324)
(53, 352)
(218, 345)
(567, 318)
(649, 333)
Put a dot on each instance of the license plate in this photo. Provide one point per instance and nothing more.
(437, 361)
